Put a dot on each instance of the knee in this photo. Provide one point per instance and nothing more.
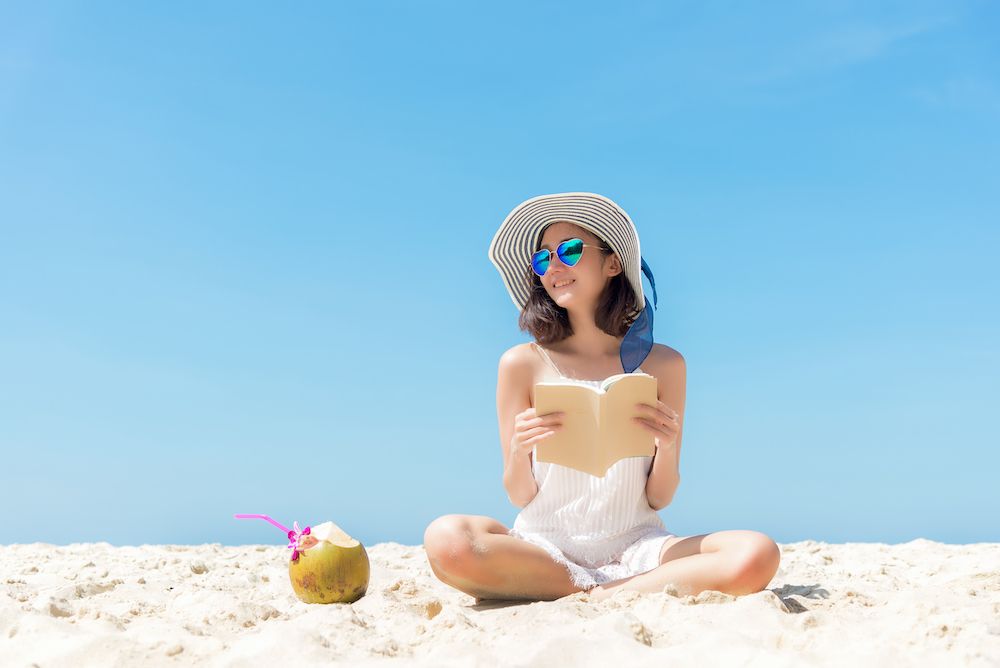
(756, 562)
(449, 543)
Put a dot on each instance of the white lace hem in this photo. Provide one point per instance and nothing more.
(640, 556)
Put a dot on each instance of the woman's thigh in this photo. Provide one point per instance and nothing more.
(476, 554)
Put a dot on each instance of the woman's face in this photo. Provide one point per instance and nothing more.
(585, 280)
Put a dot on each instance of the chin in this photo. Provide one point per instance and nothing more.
(565, 302)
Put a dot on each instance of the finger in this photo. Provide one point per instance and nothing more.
(668, 429)
(549, 418)
(656, 414)
(548, 415)
(542, 437)
(540, 430)
(644, 422)
(667, 410)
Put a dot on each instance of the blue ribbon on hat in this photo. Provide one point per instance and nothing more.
(638, 339)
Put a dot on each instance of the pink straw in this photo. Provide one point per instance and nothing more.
(263, 517)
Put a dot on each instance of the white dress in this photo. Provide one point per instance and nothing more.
(600, 529)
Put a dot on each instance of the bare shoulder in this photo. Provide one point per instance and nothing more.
(664, 362)
(515, 376)
(669, 353)
(518, 361)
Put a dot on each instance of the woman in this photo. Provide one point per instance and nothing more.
(572, 265)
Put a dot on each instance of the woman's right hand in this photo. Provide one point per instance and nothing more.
(530, 428)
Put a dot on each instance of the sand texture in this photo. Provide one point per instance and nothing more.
(921, 603)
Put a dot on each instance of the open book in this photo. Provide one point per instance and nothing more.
(597, 426)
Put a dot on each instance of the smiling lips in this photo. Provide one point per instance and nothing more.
(563, 284)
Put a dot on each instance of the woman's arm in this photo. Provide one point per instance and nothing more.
(514, 378)
(664, 476)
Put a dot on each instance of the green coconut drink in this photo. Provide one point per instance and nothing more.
(327, 565)
(332, 567)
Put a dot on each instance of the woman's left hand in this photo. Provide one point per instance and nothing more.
(662, 420)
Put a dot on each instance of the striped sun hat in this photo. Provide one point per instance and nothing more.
(520, 235)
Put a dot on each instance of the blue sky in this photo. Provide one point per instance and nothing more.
(243, 257)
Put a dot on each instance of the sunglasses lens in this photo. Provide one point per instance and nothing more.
(540, 262)
(570, 251)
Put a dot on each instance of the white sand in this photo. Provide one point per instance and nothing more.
(857, 604)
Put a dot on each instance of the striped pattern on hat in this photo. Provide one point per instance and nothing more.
(520, 235)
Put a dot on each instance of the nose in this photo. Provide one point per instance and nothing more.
(554, 260)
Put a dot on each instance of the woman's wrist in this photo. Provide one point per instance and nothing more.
(518, 455)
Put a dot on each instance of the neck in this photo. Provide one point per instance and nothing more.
(588, 340)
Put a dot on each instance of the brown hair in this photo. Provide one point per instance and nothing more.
(548, 322)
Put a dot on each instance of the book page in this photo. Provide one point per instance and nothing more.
(575, 445)
(619, 436)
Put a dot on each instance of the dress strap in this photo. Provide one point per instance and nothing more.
(547, 358)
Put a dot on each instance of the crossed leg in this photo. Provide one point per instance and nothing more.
(734, 562)
(474, 554)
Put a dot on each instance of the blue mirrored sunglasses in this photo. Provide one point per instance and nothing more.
(569, 251)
